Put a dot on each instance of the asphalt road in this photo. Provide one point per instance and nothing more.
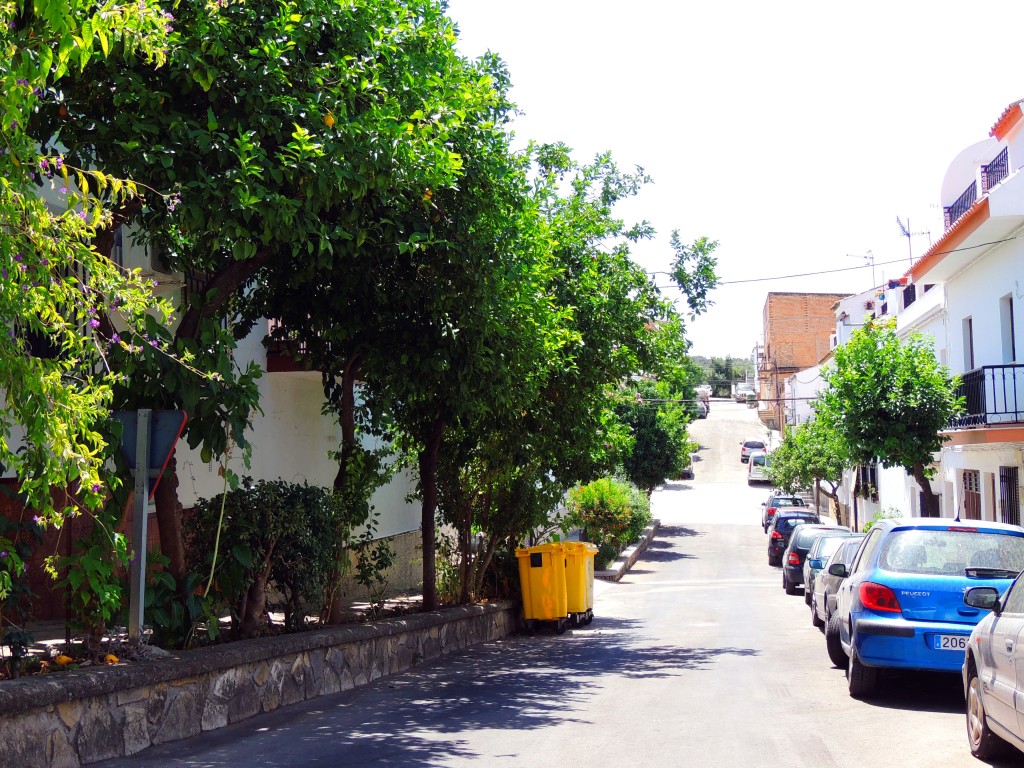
(697, 658)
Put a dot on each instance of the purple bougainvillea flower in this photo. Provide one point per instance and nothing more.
(94, 323)
(116, 339)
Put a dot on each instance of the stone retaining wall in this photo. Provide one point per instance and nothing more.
(73, 718)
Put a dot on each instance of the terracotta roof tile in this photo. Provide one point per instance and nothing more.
(1010, 116)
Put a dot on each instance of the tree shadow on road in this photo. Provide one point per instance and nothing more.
(678, 485)
(666, 532)
(423, 718)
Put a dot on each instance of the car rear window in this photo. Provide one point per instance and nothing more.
(806, 538)
(949, 552)
(789, 523)
(830, 545)
(760, 460)
(753, 444)
(787, 501)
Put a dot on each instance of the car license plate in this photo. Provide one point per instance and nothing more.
(949, 642)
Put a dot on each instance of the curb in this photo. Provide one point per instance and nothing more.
(630, 555)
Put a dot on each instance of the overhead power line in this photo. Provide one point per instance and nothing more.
(849, 269)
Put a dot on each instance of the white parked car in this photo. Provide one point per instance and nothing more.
(742, 392)
(992, 672)
(757, 467)
(750, 445)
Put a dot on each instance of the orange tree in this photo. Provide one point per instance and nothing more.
(889, 399)
(285, 131)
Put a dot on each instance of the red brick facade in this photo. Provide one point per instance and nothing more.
(797, 331)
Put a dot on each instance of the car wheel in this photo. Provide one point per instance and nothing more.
(984, 743)
(807, 594)
(774, 561)
(862, 680)
(815, 621)
(833, 644)
(787, 585)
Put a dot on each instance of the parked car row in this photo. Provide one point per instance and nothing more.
(928, 594)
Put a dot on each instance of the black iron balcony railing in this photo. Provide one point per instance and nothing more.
(995, 171)
(961, 205)
(993, 394)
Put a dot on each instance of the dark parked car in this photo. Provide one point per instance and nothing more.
(901, 606)
(796, 554)
(823, 593)
(783, 524)
(774, 503)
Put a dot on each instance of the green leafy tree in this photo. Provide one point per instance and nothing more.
(693, 270)
(889, 399)
(289, 132)
(657, 424)
(811, 454)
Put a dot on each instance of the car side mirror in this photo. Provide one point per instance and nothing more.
(838, 569)
(815, 563)
(986, 598)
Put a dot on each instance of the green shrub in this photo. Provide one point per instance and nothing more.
(640, 514)
(601, 510)
(888, 512)
(609, 512)
(274, 534)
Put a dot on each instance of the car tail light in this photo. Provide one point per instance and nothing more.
(794, 558)
(776, 535)
(878, 597)
(771, 511)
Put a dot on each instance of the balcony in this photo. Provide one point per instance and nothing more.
(996, 171)
(961, 205)
(993, 394)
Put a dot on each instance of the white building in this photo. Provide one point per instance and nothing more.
(967, 293)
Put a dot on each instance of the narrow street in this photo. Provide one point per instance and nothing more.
(697, 658)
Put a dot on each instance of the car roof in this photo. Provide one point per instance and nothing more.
(943, 523)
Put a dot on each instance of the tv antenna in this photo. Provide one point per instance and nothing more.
(905, 231)
(869, 258)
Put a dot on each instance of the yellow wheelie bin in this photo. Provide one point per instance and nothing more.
(579, 581)
(542, 576)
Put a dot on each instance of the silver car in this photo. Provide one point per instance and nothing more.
(993, 671)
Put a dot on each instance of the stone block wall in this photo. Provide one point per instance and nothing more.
(76, 718)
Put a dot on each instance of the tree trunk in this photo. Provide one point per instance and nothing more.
(929, 499)
(428, 484)
(347, 419)
(168, 519)
(254, 604)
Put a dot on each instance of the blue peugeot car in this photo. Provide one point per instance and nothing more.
(901, 602)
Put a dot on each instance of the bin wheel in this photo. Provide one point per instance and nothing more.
(589, 617)
(560, 627)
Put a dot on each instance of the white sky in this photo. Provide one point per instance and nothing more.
(794, 133)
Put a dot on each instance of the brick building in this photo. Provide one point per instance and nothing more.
(797, 328)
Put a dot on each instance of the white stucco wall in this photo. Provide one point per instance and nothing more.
(291, 440)
(976, 292)
(987, 460)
